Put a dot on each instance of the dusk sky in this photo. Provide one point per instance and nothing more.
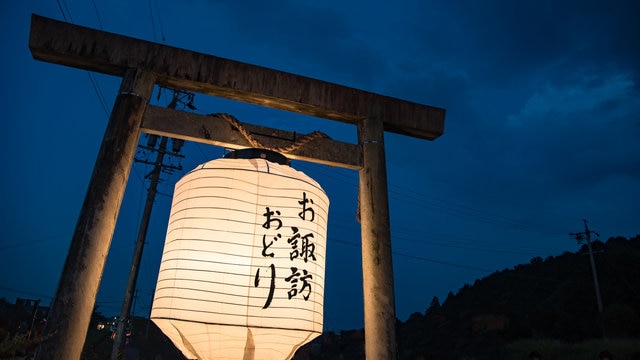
(542, 130)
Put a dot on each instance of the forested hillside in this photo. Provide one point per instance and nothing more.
(550, 298)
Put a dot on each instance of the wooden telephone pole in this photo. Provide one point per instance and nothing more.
(143, 64)
(580, 237)
(154, 176)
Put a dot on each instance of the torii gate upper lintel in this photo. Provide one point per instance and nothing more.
(108, 53)
(143, 64)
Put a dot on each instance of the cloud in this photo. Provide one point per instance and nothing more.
(504, 42)
(583, 132)
(589, 94)
(314, 37)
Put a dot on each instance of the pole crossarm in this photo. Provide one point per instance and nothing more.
(94, 50)
(214, 130)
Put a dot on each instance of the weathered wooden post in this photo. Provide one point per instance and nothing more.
(377, 269)
(71, 310)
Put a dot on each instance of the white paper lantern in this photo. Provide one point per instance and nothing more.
(242, 271)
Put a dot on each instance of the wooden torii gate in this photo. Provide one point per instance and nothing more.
(143, 64)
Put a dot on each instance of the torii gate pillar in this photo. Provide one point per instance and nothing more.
(143, 64)
(72, 306)
(377, 269)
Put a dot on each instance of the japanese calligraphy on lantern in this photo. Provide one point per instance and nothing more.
(245, 249)
(300, 247)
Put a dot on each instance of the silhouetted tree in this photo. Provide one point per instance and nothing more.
(434, 307)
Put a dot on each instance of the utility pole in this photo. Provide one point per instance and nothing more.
(581, 236)
(158, 167)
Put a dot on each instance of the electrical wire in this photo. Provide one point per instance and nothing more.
(621, 274)
(62, 11)
(424, 237)
(462, 266)
(26, 292)
(407, 234)
(62, 5)
(15, 245)
(444, 241)
(427, 202)
(467, 212)
(66, 14)
(164, 39)
(99, 94)
(95, 7)
(153, 24)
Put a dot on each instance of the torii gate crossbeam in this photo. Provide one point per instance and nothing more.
(143, 64)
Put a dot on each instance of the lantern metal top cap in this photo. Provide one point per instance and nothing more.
(257, 153)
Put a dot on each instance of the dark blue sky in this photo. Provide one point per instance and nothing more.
(542, 130)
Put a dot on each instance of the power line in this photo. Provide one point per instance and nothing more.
(94, 83)
(66, 14)
(62, 11)
(448, 241)
(14, 245)
(99, 94)
(467, 212)
(429, 238)
(153, 24)
(621, 275)
(422, 258)
(411, 196)
(62, 5)
(462, 266)
(159, 166)
(95, 7)
(468, 247)
(160, 22)
(25, 292)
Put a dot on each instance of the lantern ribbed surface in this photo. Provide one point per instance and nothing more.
(242, 270)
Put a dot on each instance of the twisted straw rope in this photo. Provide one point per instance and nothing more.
(255, 143)
(296, 145)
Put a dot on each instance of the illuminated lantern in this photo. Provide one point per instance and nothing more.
(242, 270)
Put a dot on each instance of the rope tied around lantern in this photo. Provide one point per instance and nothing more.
(255, 143)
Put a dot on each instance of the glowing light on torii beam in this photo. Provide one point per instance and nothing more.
(142, 64)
